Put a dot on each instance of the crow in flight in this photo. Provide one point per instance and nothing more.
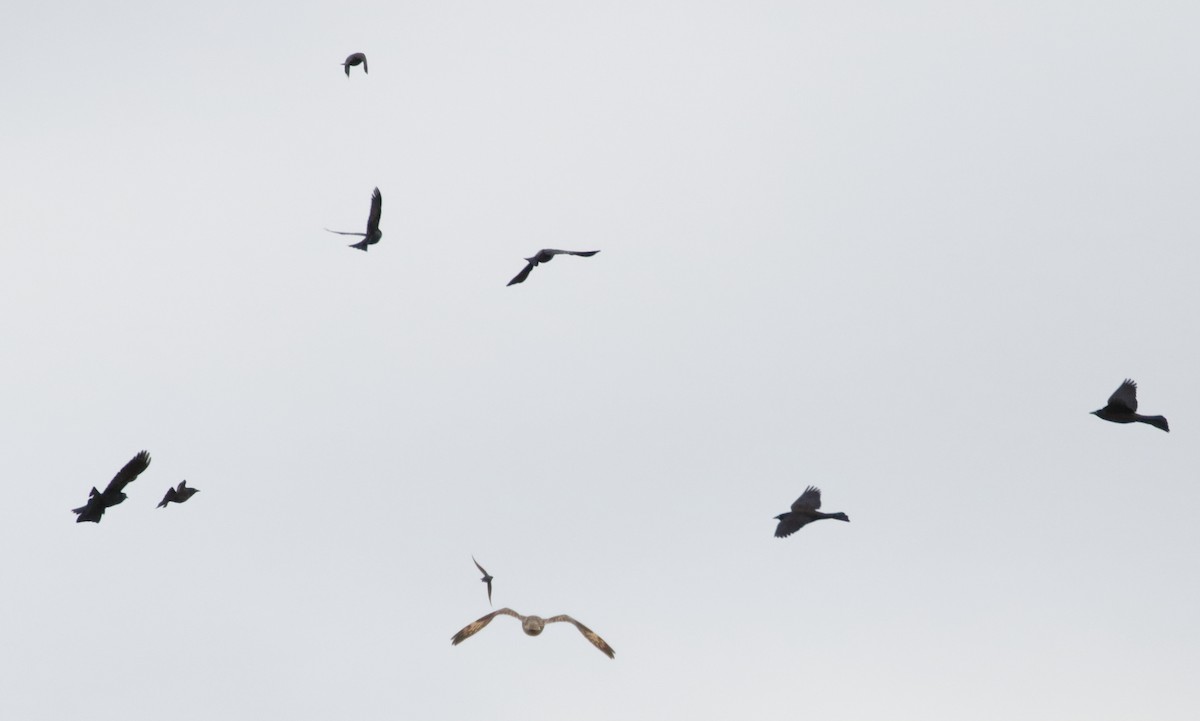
(355, 59)
(373, 234)
(545, 256)
(804, 511)
(114, 493)
(532, 626)
(1122, 408)
(178, 495)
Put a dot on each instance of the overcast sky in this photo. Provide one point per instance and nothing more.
(895, 250)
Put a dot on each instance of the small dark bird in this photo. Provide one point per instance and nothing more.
(355, 59)
(1122, 408)
(545, 256)
(532, 626)
(804, 511)
(373, 234)
(178, 495)
(486, 579)
(114, 493)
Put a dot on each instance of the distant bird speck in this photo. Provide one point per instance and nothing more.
(178, 495)
(804, 511)
(356, 59)
(114, 493)
(487, 578)
(545, 256)
(532, 626)
(1122, 408)
(373, 234)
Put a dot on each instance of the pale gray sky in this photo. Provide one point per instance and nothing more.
(895, 250)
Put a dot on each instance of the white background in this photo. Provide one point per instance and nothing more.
(895, 250)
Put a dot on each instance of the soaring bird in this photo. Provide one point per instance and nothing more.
(1122, 408)
(373, 234)
(355, 59)
(114, 493)
(178, 495)
(545, 256)
(487, 578)
(804, 511)
(532, 626)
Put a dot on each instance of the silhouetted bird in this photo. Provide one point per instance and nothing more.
(373, 234)
(356, 59)
(114, 493)
(545, 256)
(178, 495)
(532, 626)
(486, 579)
(804, 511)
(1122, 408)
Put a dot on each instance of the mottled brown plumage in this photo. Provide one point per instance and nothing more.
(532, 626)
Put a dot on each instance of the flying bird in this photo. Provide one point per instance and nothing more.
(804, 511)
(355, 59)
(545, 256)
(373, 234)
(532, 626)
(114, 493)
(1122, 408)
(178, 495)
(486, 579)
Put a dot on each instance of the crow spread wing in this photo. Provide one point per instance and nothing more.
(1125, 397)
(171, 496)
(789, 524)
(126, 475)
(520, 277)
(809, 500)
(588, 633)
(376, 211)
(546, 254)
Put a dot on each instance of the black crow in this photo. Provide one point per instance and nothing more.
(373, 234)
(356, 59)
(804, 511)
(178, 495)
(545, 256)
(1122, 408)
(114, 493)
